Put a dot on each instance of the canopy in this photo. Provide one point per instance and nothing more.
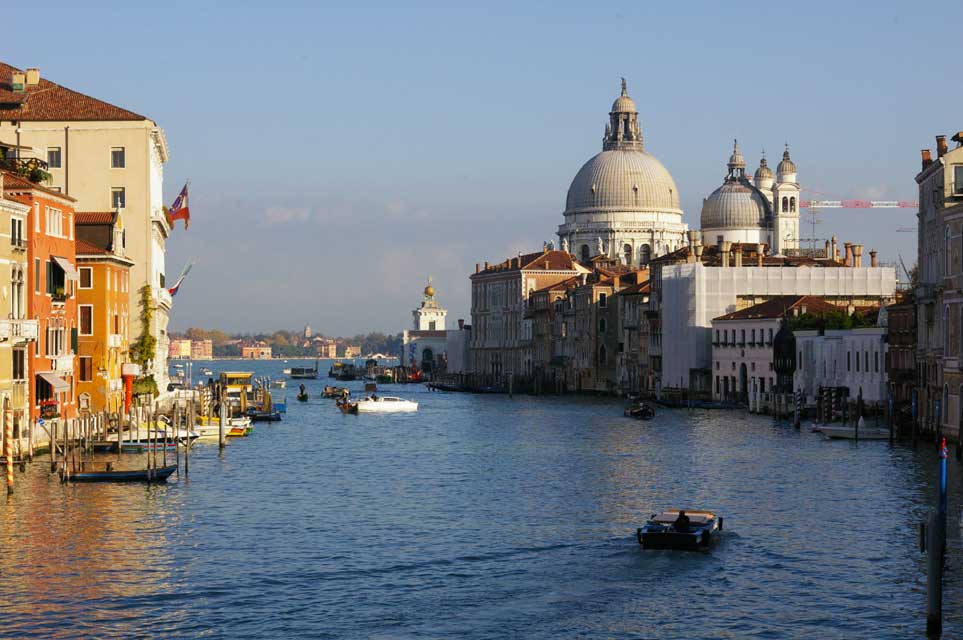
(59, 384)
(69, 272)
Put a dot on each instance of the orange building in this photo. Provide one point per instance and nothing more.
(50, 296)
(103, 314)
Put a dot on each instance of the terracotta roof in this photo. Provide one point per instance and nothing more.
(563, 285)
(16, 182)
(94, 217)
(780, 306)
(84, 248)
(51, 101)
(545, 260)
(642, 287)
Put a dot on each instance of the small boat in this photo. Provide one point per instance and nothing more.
(147, 440)
(348, 372)
(161, 474)
(336, 392)
(258, 415)
(346, 406)
(639, 411)
(206, 372)
(384, 378)
(660, 531)
(236, 427)
(444, 386)
(305, 373)
(385, 404)
(302, 397)
(849, 433)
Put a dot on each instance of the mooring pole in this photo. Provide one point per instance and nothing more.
(220, 427)
(936, 548)
(8, 442)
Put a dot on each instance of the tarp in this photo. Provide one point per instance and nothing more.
(69, 272)
(59, 384)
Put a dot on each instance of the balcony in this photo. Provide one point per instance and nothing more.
(114, 341)
(62, 364)
(49, 409)
(18, 244)
(33, 169)
(18, 330)
(60, 296)
(162, 298)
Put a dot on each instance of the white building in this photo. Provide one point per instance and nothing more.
(852, 358)
(623, 202)
(692, 294)
(458, 348)
(743, 348)
(425, 345)
(765, 211)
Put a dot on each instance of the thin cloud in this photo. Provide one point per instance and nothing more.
(283, 215)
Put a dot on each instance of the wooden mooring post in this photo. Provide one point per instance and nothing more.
(8, 443)
(934, 535)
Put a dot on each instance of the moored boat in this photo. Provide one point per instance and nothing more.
(234, 427)
(160, 474)
(335, 392)
(664, 531)
(832, 432)
(305, 373)
(639, 411)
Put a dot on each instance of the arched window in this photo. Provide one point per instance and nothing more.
(603, 355)
(785, 204)
(585, 253)
(603, 325)
(645, 254)
(946, 326)
(947, 250)
(627, 252)
(792, 204)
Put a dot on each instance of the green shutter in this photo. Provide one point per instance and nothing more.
(73, 339)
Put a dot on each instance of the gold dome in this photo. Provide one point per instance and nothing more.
(429, 291)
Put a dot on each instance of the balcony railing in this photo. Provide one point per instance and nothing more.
(62, 364)
(114, 341)
(18, 244)
(60, 296)
(33, 169)
(18, 330)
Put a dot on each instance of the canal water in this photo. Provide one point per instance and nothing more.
(484, 517)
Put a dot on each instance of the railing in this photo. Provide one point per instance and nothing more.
(114, 341)
(60, 296)
(18, 330)
(62, 364)
(18, 244)
(33, 169)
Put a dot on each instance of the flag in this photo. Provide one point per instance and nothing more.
(180, 278)
(179, 210)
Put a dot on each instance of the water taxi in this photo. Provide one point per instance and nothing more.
(662, 530)
(305, 373)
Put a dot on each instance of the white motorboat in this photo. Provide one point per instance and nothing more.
(385, 404)
(234, 427)
(849, 433)
(146, 438)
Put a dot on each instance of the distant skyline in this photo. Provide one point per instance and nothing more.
(339, 155)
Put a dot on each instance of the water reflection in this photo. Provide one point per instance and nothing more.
(482, 517)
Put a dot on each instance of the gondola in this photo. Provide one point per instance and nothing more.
(135, 475)
(346, 406)
(640, 411)
(302, 397)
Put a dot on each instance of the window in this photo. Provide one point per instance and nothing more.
(603, 355)
(55, 222)
(603, 300)
(584, 251)
(86, 278)
(86, 314)
(876, 362)
(53, 157)
(39, 274)
(742, 341)
(785, 204)
(86, 369)
(55, 341)
(117, 158)
(792, 204)
(118, 198)
(753, 337)
(19, 364)
(603, 325)
(770, 337)
(958, 180)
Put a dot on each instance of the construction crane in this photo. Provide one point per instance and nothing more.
(858, 204)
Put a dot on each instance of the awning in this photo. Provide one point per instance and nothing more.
(69, 272)
(59, 384)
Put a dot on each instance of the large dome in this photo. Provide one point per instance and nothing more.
(623, 180)
(734, 205)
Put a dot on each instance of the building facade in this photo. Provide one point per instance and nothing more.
(850, 358)
(103, 312)
(623, 203)
(202, 349)
(258, 351)
(425, 345)
(180, 349)
(107, 158)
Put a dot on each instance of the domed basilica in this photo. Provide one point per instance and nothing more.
(622, 203)
(761, 211)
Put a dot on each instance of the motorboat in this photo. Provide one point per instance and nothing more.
(661, 532)
(831, 432)
(385, 404)
(335, 392)
(639, 411)
(305, 373)
(235, 427)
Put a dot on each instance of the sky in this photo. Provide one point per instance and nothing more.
(339, 155)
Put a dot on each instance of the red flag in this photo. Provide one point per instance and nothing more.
(179, 210)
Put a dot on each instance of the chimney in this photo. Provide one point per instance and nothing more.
(724, 247)
(698, 237)
(872, 258)
(940, 146)
(835, 254)
(927, 157)
(698, 251)
(461, 324)
(857, 255)
(760, 247)
(617, 282)
(477, 267)
(33, 77)
(849, 254)
(486, 265)
(691, 235)
(19, 82)
(827, 250)
(737, 253)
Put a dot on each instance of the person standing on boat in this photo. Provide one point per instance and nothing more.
(681, 523)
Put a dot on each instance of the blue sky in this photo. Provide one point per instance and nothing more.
(340, 154)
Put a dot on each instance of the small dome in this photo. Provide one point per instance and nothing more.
(787, 165)
(736, 160)
(624, 104)
(734, 205)
(763, 172)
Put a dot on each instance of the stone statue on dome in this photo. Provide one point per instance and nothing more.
(565, 245)
(599, 246)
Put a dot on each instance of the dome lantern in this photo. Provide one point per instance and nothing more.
(623, 130)
(787, 166)
(763, 172)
